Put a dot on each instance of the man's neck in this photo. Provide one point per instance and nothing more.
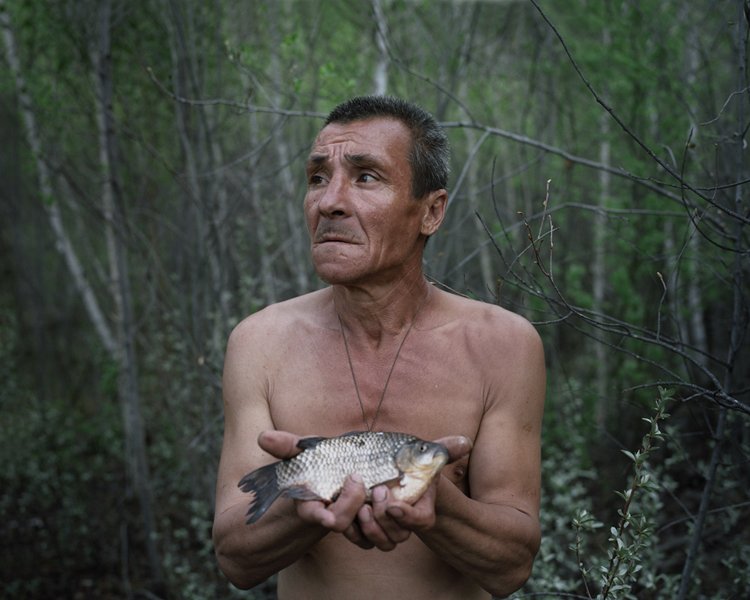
(379, 313)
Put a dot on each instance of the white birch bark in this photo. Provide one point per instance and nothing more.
(698, 333)
(380, 77)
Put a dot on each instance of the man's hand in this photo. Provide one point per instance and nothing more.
(383, 524)
(338, 515)
(389, 522)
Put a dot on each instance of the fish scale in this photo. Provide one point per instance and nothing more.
(320, 470)
(324, 466)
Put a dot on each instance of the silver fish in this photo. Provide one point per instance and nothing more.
(318, 472)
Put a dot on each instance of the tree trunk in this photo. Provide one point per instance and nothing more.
(599, 268)
(121, 346)
(50, 203)
(738, 324)
(295, 248)
(380, 78)
(114, 227)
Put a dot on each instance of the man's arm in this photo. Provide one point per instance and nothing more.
(249, 554)
(493, 535)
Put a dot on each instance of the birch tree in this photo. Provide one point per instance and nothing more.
(120, 288)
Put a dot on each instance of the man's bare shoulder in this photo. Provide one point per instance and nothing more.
(488, 324)
(283, 318)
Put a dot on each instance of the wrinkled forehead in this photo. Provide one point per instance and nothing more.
(377, 136)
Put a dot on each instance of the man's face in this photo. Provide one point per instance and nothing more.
(364, 224)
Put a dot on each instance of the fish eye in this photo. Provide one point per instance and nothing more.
(423, 447)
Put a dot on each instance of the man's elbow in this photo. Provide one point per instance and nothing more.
(513, 576)
(510, 581)
(238, 575)
(235, 563)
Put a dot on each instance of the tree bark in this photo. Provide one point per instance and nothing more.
(295, 248)
(120, 346)
(50, 203)
(599, 267)
(380, 78)
(738, 326)
(115, 227)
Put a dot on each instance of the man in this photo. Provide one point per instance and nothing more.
(382, 349)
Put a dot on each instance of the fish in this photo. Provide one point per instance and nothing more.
(403, 461)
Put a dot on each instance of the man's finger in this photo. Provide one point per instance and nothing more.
(350, 500)
(315, 511)
(419, 516)
(384, 532)
(458, 446)
(339, 515)
(354, 534)
(280, 444)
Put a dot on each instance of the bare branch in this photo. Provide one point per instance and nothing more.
(628, 131)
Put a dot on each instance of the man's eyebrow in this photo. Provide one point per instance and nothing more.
(358, 160)
(364, 160)
(315, 160)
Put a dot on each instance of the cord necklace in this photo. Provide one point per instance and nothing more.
(390, 372)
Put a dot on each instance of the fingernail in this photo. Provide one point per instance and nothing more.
(357, 478)
(379, 494)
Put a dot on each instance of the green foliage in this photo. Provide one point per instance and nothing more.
(211, 187)
(634, 531)
(567, 477)
(570, 559)
(62, 489)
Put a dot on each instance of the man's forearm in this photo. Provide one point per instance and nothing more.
(493, 544)
(250, 554)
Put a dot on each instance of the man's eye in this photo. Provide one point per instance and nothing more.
(315, 180)
(367, 178)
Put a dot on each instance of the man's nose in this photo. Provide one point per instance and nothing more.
(334, 200)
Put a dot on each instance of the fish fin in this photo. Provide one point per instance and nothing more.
(301, 493)
(264, 485)
(310, 442)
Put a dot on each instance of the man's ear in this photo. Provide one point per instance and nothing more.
(434, 211)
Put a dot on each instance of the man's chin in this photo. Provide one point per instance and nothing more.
(334, 274)
(337, 278)
(336, 266)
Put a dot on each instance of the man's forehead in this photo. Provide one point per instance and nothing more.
(370, 136)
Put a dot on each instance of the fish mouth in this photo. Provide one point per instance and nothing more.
(440, 458)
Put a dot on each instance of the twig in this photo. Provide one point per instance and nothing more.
(626, 129)
(244, 106)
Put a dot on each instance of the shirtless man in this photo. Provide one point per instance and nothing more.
(383, 349)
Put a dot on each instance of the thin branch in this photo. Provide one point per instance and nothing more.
(626, 129)
(629, 331)
(244, 106)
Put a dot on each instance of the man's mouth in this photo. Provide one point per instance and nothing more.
(326, 233)
(332, 238)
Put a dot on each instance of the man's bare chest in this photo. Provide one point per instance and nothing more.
(428, 391)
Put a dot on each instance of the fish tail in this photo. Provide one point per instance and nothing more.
(265, 487)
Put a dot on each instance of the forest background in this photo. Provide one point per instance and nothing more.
(151, 178)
